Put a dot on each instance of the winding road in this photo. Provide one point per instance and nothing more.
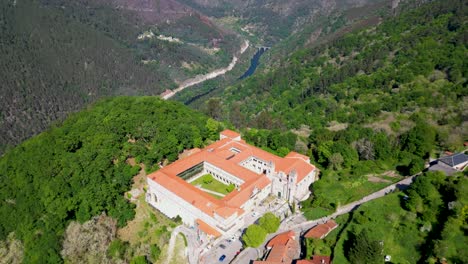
(201, 78)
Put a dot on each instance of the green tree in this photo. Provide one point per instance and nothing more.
(139, 260)
(363, 250)
(269, 222)
(254, 236)
(335, 161)
(155, 252)
(419, 140)
(117, 248)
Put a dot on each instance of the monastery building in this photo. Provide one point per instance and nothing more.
(254, 172)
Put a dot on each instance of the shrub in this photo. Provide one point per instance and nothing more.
(269, 222)
(254, 236)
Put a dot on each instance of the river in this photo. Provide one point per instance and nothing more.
(254, 62)
(201, 78)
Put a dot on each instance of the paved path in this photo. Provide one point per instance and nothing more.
(170, 249)
(210, 191)
(290, 223)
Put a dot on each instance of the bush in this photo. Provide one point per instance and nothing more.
(269, 222)
(139, 260)
(117, 248)
(155, 252)
(254, 236)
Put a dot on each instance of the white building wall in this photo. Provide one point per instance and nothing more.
(171, 205)
(279, 185)
(222, 175)
(257, 199)
(302, 189)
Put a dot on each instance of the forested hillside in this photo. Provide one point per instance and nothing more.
(271, 21)
(376, 102)
(414, 64)
(79, 169)
(57, 56)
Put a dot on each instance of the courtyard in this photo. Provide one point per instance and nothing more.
(212, 186)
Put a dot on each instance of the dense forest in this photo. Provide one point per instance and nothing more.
(78, 170)
(57, 56)
(379, 99)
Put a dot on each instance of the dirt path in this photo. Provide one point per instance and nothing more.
(201, 78)
(170, 249)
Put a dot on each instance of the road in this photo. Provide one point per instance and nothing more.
(297, 223)
(170, 250)
(201, 78)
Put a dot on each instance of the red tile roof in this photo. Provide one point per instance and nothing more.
(281, 239)
(207, 228)
(226, 154)
(322, 230)
(315, 260)
(230, 134)
(283, 249)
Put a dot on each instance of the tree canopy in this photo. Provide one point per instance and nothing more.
(254, 236)
(78, 169)
(269, 222)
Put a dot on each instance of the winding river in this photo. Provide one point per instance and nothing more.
(201, 78)
(254, 62)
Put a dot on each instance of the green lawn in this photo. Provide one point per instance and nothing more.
(210, 183)
(337, 189)
(316, 213)
(387, 222)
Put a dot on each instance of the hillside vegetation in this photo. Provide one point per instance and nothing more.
(425, 225)
(269, 22)
(78, 170)
(57, 56)
(374, 103)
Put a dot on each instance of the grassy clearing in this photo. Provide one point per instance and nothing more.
(210, 183)
(316, 213)
(148, 227)
(388, 222)
(336, 189)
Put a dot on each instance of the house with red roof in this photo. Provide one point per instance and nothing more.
(315, 260)
(253, 172)
(322, 230)
(283, 248)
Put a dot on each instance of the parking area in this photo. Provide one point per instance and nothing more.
(226, 247)
(230, 248)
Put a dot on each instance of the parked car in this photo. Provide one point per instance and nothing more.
(222, 258)
(222, 246)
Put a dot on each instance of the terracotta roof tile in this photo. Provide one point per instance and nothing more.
(284, 248)
(207, 228)
(322, 230)
(230, 134)
(315, 260)
(281, 239)
(226, 154)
